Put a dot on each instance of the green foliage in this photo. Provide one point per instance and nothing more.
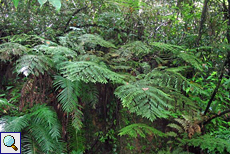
(180, 52)
(4, 102)
(69, 93)
(208, 142)
(94, 40)
(135, 130)
(89, 72)
(68, 98)
(33, 64)
(175, 151)
(40, 127)
(10, 50)
(134, 49)
(143, 99)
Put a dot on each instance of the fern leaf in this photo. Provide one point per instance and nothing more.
(95, 40)
(77, 119)
(179, 52)
(143, 99)
(208, 142)
(136, 48)
(89, 72)
(15, 124)
(69, 93)
(33, 64)
(177, 127)
(8, 50)
(134, 130)
(4, 102)
(42, 114)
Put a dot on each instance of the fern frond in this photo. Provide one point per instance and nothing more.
(15, 124)
(4, 102)
(208, 142)
(171, 79)
(33, 64)
(143, 99)
(168, 47)
(134, 130)
(177, 127)
(56, 50)
(191, 59)
(89, 72)
(8, 50)
(43, 114)
(89, 94)
(95, 40)
(69, 93)
(77, 119)
(136, 48)
(179, 52)
(27, 40)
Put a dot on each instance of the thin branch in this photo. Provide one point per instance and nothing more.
(217, 86)
(215, 116)
(76, 12)
(202, 21)
(227, 61)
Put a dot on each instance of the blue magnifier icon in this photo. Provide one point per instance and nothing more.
(9, 141)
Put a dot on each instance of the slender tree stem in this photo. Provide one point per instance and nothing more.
(215, 116)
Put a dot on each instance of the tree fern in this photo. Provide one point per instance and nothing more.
(143, 99)
(95, 40)
(8, 50)
(89, 72)
(33, 64)
(134, 130)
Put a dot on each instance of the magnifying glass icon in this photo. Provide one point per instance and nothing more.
(9, 141)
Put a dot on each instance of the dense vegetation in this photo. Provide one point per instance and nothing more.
(131, 76)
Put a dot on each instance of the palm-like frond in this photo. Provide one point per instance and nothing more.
(15, 124)
(69, 93)
(40, 127)
(170, 78)
(132, 49)
(33, 64)
(208, 142)
(56, 50)
(89, 94)
(89, 72)
(179, 52)
(95, 40)
(68, 98)
(4, 102)
(143, 99)
(44, 115)
(8, 50)
(134, 130)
